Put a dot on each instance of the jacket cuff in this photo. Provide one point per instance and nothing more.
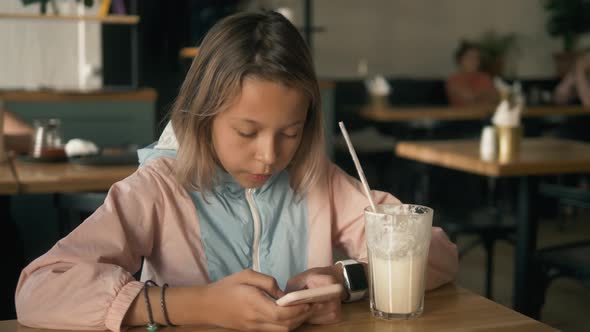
(121, 305)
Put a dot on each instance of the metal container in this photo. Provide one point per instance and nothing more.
(509, 139)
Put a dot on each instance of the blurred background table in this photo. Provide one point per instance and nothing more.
(64, 177)
(538, 156)
(449, 308)
(439, 113)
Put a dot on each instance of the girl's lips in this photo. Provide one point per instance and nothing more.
(260, 177)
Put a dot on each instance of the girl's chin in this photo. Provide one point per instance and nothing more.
(253, 182)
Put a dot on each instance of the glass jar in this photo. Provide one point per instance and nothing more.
(47, 140)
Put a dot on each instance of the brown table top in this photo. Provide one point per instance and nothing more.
(8, 184)
(447, 308)
(538, 156)
(34, 177)
(442, 113)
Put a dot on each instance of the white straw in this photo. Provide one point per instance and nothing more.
(359, 169)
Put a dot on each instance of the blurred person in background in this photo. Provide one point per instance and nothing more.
(574, 88)
(469, 85)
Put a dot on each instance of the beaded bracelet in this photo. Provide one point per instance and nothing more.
(151, 326)
(163, 303)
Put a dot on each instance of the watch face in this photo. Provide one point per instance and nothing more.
(356, 277)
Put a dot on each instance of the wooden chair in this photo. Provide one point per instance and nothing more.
(487, 231)
(570, 260)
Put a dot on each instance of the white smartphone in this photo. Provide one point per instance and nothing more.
(311, 295)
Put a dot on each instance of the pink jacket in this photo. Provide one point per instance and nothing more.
(85, 281)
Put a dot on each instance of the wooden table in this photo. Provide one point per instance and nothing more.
(542, 156)
(56, 178)
(405, 114)
(447, 308)
(539, 156)
(65, 177)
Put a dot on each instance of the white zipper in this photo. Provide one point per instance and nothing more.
(256, 219)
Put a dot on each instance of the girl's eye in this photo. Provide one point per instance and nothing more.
(247, 135)
(290, 135)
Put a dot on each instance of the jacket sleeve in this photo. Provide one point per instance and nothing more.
(85, 281)
(348, 202)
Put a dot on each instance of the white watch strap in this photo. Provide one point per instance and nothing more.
(347, 262)
(355, 296)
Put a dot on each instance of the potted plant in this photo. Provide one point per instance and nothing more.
(494, 50)
(567, 20)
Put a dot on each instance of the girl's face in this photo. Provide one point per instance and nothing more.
(260, 132)
(470, 61)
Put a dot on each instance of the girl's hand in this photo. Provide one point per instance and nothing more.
(325, 312)
(245, 301)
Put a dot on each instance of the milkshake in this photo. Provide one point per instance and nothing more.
(398, 238)
(398, 284)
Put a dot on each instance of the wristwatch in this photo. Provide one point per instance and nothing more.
(355, 280)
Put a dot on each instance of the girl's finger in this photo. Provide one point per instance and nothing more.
(261, 281)
(271, 327)
(327, 318)
(275, 313)
(294, 323)
(296, 283)
(325, 313)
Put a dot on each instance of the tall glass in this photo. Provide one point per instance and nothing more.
(398, 238)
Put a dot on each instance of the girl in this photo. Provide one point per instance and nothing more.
(233, 204)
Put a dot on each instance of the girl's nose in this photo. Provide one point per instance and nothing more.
(267, 151)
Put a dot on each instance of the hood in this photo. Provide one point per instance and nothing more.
(166, 146)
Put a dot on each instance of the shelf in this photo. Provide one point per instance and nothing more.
(144, 94)
(110, 19)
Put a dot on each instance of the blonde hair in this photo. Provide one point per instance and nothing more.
(263, 45)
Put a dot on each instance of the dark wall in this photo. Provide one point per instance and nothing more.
(12, 260)
(165, 27)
